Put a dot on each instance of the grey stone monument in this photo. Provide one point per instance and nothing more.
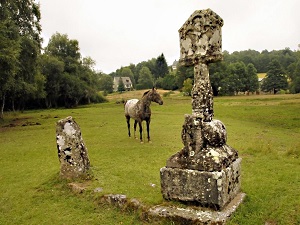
(72, 152)
(206, 171)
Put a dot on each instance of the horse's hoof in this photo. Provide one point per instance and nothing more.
(149, 142)
(142, 142)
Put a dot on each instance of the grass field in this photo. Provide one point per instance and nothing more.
(264, 129)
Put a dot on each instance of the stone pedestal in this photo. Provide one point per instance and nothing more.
(208, 189)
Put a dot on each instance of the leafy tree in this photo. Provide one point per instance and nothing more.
(151, 64)
(169, 82)
(65, 50)
(183, 73)
(106, 83)
(145, 79)
(235, 75)
(9, 52)
(78, 82)
(187, 86)
(217, 82)
(72, 90)
(90, 78)
(275, 79)
(53, 69)
(294, 74)
(22, 22)
(251, 81)
(217, 72)
(159, 82)
(25, 85)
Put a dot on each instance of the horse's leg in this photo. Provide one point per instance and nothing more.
(135, 123)
(148, 129)
(128, 124)
(141, 131)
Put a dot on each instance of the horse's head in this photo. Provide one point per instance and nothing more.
(155, 96)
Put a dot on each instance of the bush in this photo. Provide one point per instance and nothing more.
(99, 98)
(167, 94)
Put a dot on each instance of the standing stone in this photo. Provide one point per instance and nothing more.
(206, 171)
(72, 153)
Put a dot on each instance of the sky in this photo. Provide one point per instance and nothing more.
(116, 33)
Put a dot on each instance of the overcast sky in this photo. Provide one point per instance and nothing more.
(116, 33)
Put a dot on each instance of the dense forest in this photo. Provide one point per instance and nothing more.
(58, 75)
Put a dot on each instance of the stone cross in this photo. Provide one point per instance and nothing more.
(201, 44)
(206, 170)
(72, 152)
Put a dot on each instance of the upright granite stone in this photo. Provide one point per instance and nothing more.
(72, 153)
(206, 171)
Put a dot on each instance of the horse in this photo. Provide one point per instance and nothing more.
(139, 110)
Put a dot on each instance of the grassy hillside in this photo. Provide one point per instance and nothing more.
(264, 129)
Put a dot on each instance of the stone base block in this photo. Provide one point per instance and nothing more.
(208, 189)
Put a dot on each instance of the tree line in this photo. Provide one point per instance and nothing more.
(32, 77)
(58, 75)
(236, 73)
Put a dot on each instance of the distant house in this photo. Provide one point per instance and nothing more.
(174, 65)
(126, 81)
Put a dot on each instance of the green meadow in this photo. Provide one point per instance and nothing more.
(265, 129)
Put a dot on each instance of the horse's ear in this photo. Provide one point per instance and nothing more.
(153, 89)
(145, 93)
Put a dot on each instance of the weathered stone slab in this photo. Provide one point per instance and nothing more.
(161, 214)
(209, 189)
(194, 215)
(72, 152)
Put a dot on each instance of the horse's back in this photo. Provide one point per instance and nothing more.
(129, 107)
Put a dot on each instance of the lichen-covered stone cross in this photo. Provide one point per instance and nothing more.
(201, 44)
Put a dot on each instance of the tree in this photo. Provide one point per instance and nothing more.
(90, 78)
(73, 90)
(21, 20)
(275, 79)
(121, 86)
(145, 79)
(182, 73)
(169, 82)
(53, 69)
(9, 53)
(251, 82)
(25, 85)
(106, 83)
(66, 50)
(235, 74)
(293, 71)
(294, 74)
(217, 73)
(78, 82)
(161, 67)
(187, 86)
